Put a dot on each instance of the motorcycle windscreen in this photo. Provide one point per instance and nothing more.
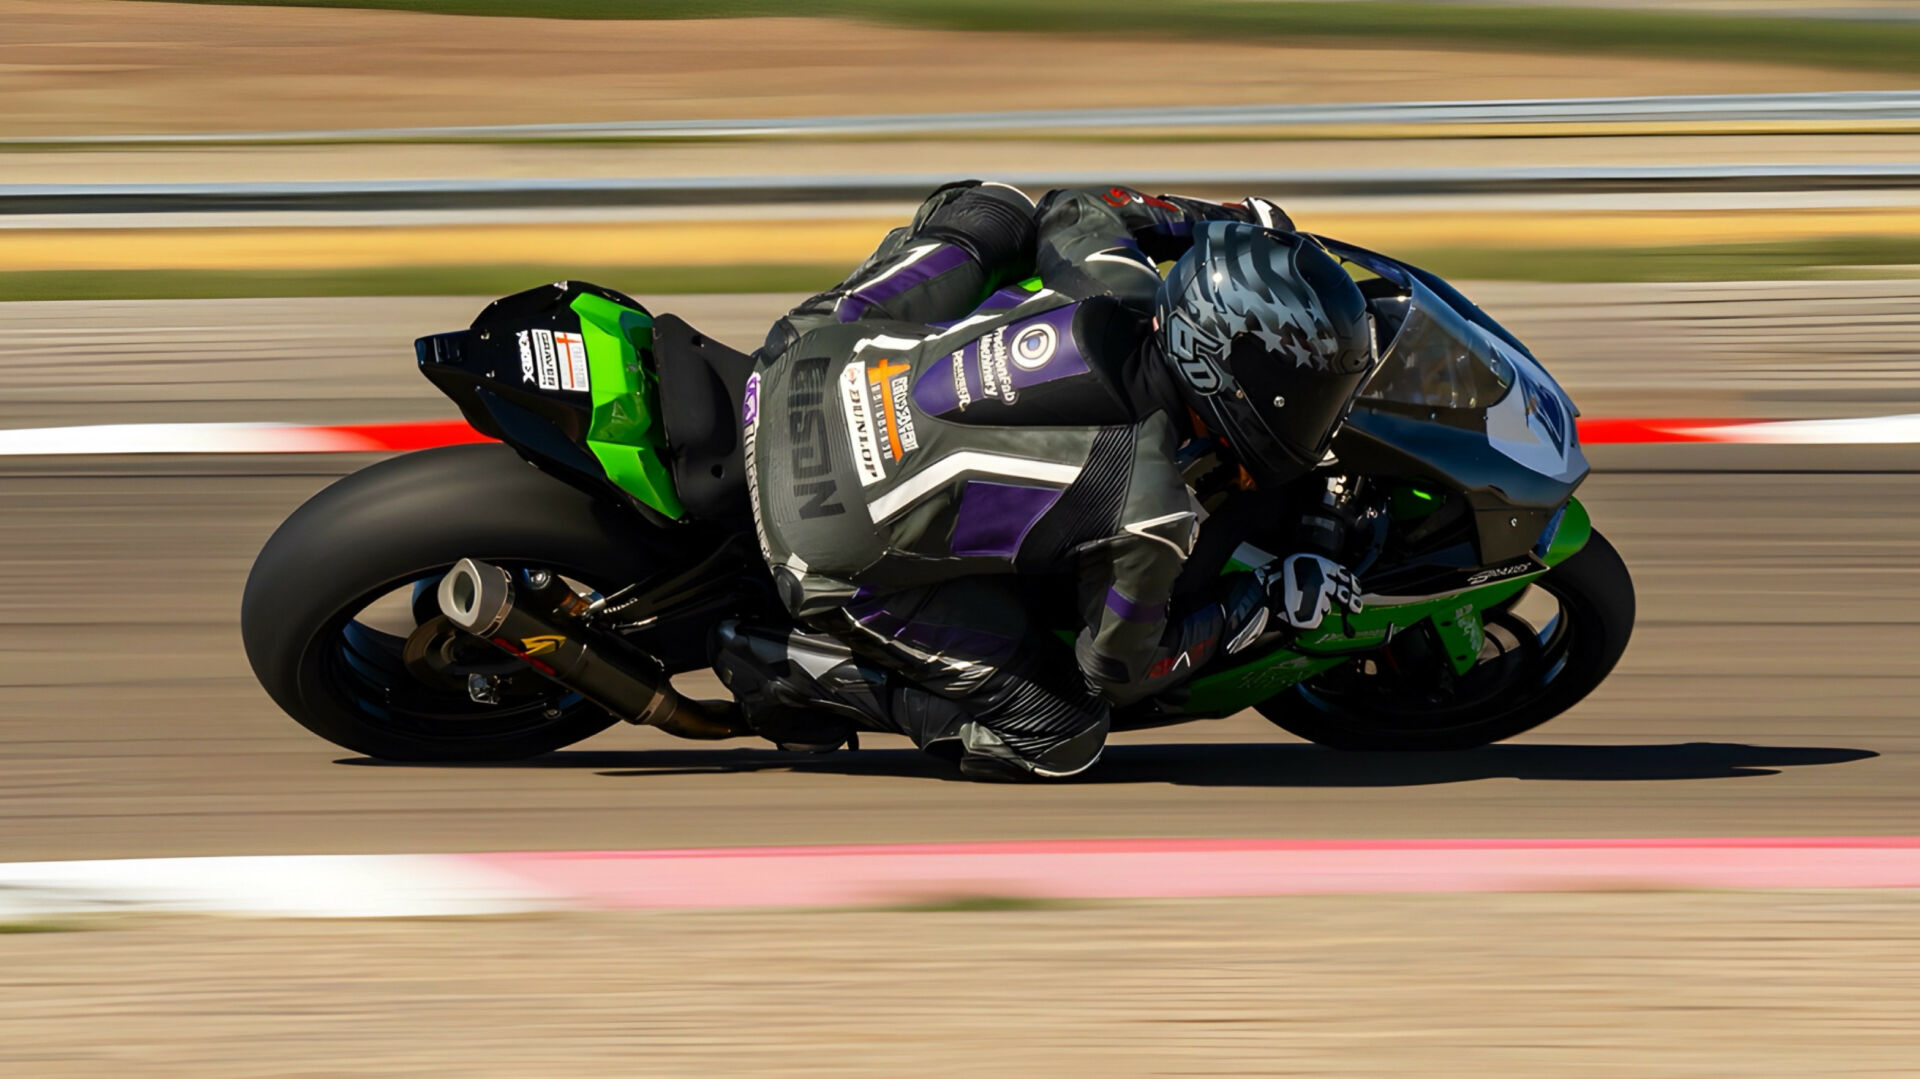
(1436, 358)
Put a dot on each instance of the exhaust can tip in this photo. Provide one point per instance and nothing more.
(475, 596)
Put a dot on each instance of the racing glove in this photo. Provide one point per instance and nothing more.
(1306, 587)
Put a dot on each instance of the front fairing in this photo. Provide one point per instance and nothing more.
(1533, 425)
(1439, 364)
(1490, 422)
(1492, 426)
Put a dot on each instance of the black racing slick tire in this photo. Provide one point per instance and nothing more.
(404, 521)
(1551, 669)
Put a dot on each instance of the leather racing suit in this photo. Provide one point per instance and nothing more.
(914, 454)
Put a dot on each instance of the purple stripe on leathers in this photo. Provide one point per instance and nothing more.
(855, 304)
(1133, 611)
(994, 518)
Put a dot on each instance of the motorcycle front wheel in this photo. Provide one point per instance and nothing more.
(1541, 656)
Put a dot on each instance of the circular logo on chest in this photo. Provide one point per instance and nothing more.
(1034, 346)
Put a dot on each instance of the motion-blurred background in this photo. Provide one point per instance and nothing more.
(245, 212)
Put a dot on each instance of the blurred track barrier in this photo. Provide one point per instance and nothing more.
(736, 223)
(248, 438)
(494, 194)
(463, 884)
(1876, 110)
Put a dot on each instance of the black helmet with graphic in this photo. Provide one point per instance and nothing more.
(1268, 339)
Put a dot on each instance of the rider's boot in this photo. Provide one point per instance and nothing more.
(810, 691)
(805, 692)
(1011, 730)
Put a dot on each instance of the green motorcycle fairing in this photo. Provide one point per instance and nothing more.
(626, 435)
(1456, 618)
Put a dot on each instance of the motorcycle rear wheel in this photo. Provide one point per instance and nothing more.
(398, 524)
(1526, 676)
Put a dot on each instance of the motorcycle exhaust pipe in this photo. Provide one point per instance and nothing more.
(538, 618)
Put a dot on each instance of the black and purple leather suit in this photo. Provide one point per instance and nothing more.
(915, 454)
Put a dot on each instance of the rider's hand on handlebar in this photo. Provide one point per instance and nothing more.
(1306, 588)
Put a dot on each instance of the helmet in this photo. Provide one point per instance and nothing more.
(1269, 341)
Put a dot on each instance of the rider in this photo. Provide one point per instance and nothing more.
(916, 455)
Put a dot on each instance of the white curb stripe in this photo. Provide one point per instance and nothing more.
(304, 886)
(117, 438)
(1865, 431)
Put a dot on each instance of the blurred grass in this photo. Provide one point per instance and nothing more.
(1810, 259)
(1817, 42)
(38, 926)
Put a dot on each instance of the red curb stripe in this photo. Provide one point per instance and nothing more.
(405, 437)
(1633, 432)
(1199, 868)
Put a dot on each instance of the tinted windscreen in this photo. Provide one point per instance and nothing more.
(1436, 359)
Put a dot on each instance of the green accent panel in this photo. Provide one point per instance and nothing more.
(626, 433)
(1576, 528)
(1226, 692)
(1457, 619)
(1342, 633)
(1031, 284)
(1461, 634)
(1337, 639)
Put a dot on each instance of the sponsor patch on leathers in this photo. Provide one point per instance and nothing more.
(862, 427)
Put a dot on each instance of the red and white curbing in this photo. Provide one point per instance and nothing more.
(250, 438)
(345, 886)
(144, 438)
(1900, 430)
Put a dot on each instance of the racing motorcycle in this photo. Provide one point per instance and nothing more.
(500, 600)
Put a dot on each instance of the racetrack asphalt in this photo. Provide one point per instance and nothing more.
(1770, 689)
